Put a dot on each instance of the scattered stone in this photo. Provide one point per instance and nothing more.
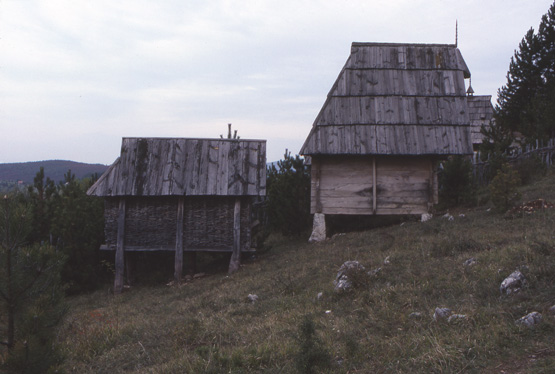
(441, 314)
(318, 228)
(387, 261)
(252, 298)
(530, 320)
(462, 215)
(453, 318)
(342, 281)
(375, 272)
(529, 208)
(415, 315)
(552, 310)
(470, 262)
(513, 283)
(188, 278)
(448, 217)
(426, 217)
(328, 311)
(319, 296)
(199, 275)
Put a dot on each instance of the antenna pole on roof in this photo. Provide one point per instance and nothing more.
(229, 130)
(456, 33)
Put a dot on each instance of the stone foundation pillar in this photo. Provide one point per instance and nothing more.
(318, 228)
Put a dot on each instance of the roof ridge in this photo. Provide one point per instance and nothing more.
(388, 44)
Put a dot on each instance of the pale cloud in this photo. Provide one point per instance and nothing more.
(78, 75)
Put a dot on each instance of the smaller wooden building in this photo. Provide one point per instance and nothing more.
(181, 195)
(480, 113)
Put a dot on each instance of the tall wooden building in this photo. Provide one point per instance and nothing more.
(394, 110)
(181, 195)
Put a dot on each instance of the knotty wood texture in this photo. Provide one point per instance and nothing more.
(346, 185)
(191, 167)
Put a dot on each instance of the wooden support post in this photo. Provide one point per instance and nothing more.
(118, 282)
(374, 186)
(236, 254)
(179, 241)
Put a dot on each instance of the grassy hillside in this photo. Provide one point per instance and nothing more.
(208, 325)
(54, 169)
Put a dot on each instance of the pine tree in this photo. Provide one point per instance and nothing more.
(31, 293)
(288, 192)
(525, 102)
(77, 226)
(543, 101)
(523, 78)
(41, 194)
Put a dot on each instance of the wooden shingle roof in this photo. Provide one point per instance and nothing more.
(186, 167)
(395, 99)
(480, 112)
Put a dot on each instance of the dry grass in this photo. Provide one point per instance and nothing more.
(209, 326)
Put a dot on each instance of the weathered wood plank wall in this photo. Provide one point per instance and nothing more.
(403, 185)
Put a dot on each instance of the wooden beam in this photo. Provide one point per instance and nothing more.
(374, 192)
(118, 282)
(236, 255)
(179, 241)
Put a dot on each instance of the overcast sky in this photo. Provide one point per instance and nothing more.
(78, 75)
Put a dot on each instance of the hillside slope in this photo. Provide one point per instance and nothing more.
(54, 169)
(384, 325)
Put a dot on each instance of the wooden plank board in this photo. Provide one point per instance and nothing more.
(178, 265)
(235, 260)
(120, 248)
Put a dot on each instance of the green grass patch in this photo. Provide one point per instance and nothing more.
(209, 326)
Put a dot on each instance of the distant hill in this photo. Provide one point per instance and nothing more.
(53, 169)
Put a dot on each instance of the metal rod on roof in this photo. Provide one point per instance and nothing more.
(456, 33)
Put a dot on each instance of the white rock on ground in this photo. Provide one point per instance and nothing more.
(470, 262)
(513, 283)
(342, 281)
(426, 217)
(530, 320)
(441, 314)
(456, 318)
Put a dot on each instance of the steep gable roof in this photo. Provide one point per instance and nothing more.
(185, 167)
(395, 99)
